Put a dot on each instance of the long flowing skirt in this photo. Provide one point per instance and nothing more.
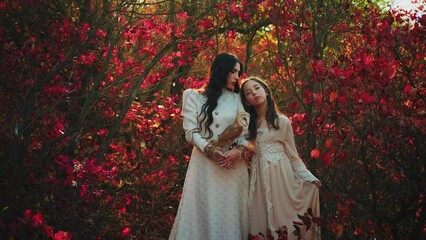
(279, 198)
(214, 203)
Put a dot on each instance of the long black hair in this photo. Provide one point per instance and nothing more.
(271, 108)
(222, 65)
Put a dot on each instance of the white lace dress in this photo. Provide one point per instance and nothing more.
(214, 203)
(280, 185)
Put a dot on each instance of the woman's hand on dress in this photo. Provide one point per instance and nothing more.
(218, 156)
(317, 183)
(226, 163)
(231, 157)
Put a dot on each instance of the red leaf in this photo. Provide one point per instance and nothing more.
(366, 98)
(126, 231)
(62, 235)
(366, 59)
(333, 96)
(326, 159)
(315, 153)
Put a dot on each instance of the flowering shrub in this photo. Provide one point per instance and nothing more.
(92, 145)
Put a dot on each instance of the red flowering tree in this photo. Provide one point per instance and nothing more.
(92, 142)
(377, 147)
(73, 78)
(352, 80)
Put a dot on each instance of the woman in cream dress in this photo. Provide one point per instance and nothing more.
(214, 203)
(282, 190)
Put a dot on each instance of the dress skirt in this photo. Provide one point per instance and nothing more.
(288, 196)
(214, 203)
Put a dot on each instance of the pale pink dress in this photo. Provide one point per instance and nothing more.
(280, 185)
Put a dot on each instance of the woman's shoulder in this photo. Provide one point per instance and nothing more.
(283, 119)
(189, 91)
(193, 94)
(283, 116)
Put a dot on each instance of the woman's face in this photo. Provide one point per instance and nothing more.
(233, 77)
(254, 93)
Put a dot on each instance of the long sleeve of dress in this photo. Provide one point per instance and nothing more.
(191, 105)
(297, 164)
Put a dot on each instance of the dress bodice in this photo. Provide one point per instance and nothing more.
(268, 147)
(228, 106)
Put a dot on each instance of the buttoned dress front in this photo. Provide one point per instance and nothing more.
(214, 203)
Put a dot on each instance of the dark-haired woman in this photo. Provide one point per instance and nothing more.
(215, 193)
(283, 192)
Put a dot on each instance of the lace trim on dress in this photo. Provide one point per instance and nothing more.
(273, 153)
(264, 166)
(252, 179)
